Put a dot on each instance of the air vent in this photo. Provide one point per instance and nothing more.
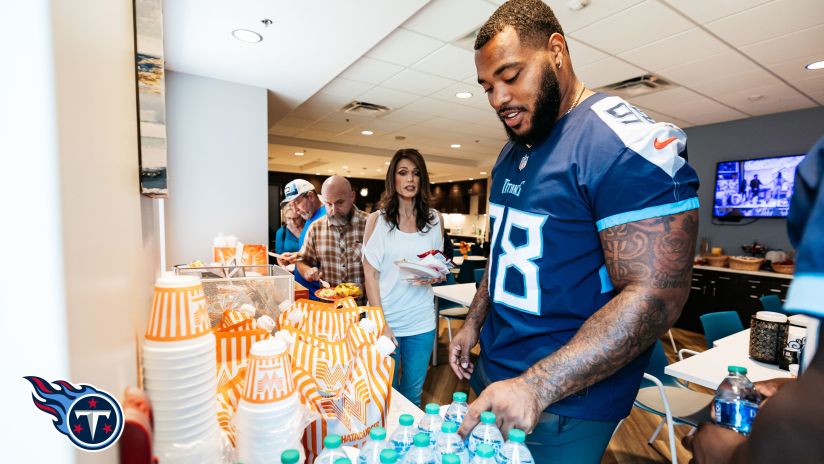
(364, 108)
(637, 86)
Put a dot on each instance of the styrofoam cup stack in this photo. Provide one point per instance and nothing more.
(269, 417)
(180, 374)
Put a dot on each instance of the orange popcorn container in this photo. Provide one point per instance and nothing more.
(178, 310)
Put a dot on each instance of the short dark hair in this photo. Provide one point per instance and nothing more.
(533, 21)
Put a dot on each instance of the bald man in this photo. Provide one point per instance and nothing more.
(332, 247)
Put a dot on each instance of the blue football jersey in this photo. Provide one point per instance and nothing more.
(604, 164)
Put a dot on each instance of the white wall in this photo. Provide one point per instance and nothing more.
(84, 230)
(217, 165)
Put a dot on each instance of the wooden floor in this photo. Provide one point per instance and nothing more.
(629, 445)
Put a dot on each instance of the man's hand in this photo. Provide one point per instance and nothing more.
(768, 388)
(459, 348)
(313, 274)
(712, 444)
(514, 403)
(287, 258)
(387, 331)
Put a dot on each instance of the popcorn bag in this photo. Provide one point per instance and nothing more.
(341, 367)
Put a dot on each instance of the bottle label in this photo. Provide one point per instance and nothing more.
(737, 415)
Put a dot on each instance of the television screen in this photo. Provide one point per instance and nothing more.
(755, 188)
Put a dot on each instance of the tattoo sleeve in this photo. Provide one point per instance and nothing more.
(650, 264)
(480, 303)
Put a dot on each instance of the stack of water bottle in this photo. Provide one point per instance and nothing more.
(435, 440)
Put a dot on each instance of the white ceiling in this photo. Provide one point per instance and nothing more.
(720, 54)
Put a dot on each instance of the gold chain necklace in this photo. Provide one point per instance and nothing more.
(577, 99)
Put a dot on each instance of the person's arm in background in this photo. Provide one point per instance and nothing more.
(307, 265)
(650, 265)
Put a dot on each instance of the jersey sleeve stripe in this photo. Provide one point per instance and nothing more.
(805, 294)
(647, 213)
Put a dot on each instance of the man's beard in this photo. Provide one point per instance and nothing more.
(547, 105)
(340, 219)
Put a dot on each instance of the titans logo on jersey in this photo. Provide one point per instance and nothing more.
(604, 164)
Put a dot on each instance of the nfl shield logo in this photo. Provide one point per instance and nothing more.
(523, 162)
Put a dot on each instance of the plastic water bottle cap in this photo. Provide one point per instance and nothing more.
(737, 370)
(332, 441)
(517, 435)
(449, 427)
(389, 456)
(290, 456)
(450, 459)
(406, 420)
(488, 417)
(343, 461)
(268, 347)
(459, 397)
(378, 433)
(433, 408)
(485, 450)
(421, 440)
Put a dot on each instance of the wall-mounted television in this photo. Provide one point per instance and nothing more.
(754, 188)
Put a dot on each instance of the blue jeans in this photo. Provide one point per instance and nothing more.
(559, 439)
(412, 357)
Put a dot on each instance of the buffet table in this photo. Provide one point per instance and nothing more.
(400, 405)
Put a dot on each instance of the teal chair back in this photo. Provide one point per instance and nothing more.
(719, 325)
(479, 275)
(657, 362)
(772, 303)
(466, 274)
(446, 304)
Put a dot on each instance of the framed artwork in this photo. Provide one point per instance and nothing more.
(151, 96)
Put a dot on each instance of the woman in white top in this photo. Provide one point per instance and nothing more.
(403, 228)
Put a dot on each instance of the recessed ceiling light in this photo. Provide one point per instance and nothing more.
(386, 163)
(300, 153)
(317, 173)
(362, 173)
(366, 132)
(463, 94)
(246, 35)
(471, 178)
(450, 180)
(456, 145)
(345, 167)
(483, 173)
(815, 65)
(378, 169)
(331, 170)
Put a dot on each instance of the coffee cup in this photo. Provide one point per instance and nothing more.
(768, 336)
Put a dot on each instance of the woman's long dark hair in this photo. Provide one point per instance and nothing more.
(424, 219)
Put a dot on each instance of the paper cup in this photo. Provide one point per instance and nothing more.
(181, 365)
(171, 383)
(269, 375)
(181, 404)
(180, 349)
(183, 394)
(178, 310)
(195, 433)
(176, 419)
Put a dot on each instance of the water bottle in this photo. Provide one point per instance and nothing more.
(343, 461)
(402, 438)
(449, 459)
(485, 454)
(290, 456)
(449, 442)
(331, 450)
(457, 410)
(514, 450)
(486, 432)
(389, 456)
(736, 401)
(431, 423)
(421, 453)
(371, 452)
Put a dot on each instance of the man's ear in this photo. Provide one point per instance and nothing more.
(556, 45)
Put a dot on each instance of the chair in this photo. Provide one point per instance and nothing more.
(772, 303)
(719, 325)
(466, 273)
(479, 276)
(663, 395)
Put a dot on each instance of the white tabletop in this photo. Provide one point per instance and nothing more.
(709, 368)
(458, 293)
(458, 260)
(400, 405)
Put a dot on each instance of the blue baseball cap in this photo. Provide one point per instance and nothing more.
(295, 189)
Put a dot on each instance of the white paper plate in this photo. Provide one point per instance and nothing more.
(418, 270)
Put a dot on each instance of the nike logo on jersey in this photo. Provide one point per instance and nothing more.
(659, 145)
(514, 189)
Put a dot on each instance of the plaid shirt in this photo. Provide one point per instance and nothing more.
(336, 250)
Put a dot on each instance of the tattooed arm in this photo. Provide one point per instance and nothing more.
(650, 264)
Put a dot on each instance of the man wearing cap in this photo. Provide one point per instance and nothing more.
(301, 194)
(332, 247)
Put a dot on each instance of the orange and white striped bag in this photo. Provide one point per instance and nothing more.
(235, 335)
(329, 321)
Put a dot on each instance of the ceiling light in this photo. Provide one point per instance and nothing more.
(345, 167)
(246, 35)
(471, 178)
(366, 132)
(450, 180)
(456, 145)
(463, 94)
(330, 170)
(300, 153)
(317, 173)
(362, 173)
(364, 192)
(815, 65)
(483, 173)
(378, 169)
(756, 97)
(386, 163)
